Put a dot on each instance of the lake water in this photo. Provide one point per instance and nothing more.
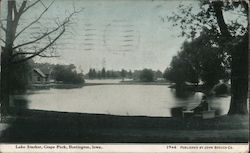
(134, 100)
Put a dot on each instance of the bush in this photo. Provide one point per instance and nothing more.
(67, 74)
(147, 75)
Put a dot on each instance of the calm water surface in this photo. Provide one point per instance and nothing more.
(136, 100)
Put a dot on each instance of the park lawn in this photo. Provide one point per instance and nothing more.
(35, 126)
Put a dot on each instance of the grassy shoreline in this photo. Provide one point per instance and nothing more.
(73, 86)
(60, 127)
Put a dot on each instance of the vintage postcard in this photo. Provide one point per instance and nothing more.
(124, 76)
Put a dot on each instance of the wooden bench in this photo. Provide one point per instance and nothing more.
(204, 114)
(187, 113)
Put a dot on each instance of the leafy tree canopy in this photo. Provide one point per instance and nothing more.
(147, 75)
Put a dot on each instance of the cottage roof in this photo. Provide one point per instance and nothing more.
(45, 70)
(39, 72)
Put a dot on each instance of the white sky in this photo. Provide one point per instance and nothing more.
(114, 34)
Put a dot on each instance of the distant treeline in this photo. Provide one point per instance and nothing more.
(122, 74)
(103, 74)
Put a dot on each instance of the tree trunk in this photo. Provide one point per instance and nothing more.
(5, 83)
(6, 59)
(239, 78)
(239, 65)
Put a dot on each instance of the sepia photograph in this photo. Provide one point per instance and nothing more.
(124, 72)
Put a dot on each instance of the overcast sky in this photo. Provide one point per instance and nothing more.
(114, 34)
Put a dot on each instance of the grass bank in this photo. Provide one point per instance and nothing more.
(61, 127)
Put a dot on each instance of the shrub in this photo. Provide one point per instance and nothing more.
(147, 75)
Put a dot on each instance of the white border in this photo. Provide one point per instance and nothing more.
(126, 148)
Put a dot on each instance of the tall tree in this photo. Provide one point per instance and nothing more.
(232, 38)
(123, 74)
(90, 74)
(130, 74)
(198, 60)
(103, 73)
(94, 73)
(12, 50)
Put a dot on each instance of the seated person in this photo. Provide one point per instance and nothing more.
(204, 106)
